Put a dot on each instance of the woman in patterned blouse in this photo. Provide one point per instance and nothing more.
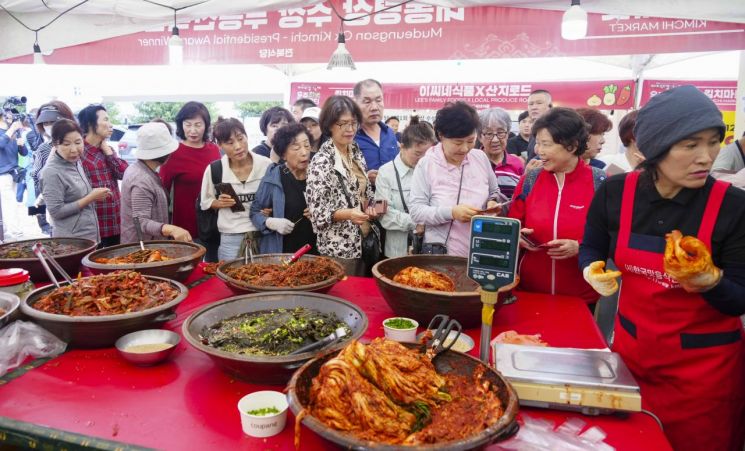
(337, 191)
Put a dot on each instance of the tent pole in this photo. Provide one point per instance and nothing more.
(740, 99)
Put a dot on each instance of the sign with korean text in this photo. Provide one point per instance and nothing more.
(723, 93)
(607, 95)
(409, 32)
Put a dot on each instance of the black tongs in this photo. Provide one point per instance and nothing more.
(440, 335)
(44, 256)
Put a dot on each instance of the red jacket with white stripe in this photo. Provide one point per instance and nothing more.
(554, 213)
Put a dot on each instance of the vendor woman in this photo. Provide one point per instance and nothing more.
(678, 331)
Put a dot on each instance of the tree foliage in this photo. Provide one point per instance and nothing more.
(115, 115)
(167, 111)
(254, 109)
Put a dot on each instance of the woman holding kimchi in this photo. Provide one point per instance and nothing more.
(678, 237)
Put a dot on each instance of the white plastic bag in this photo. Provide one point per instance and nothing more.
(540, 435)
(21, 339)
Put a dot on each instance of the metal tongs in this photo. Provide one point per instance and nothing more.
(44, 256)
(436, 344)
(336, 335)
(138, 229)
(296, 256)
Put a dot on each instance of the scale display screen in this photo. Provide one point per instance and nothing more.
(487, 260)
(501, 229)
(493, 252)
(493, 245)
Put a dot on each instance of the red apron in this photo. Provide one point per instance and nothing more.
(688, 358)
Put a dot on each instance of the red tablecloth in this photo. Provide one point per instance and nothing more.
(188, 403)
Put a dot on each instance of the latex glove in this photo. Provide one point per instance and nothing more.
(688, 261)
(601, 280)
(282, 226)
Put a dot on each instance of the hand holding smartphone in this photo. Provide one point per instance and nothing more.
(380, 206)
(227, 189)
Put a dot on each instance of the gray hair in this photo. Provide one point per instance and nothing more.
(495, 117)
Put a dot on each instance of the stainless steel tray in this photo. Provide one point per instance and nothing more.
(578, 367)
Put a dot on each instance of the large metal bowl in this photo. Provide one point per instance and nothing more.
(275, 370)
(243, 287)
(69, 262)
(184, 259)
(101, 331)
(464, 304)
(446, 363)
(9, 303)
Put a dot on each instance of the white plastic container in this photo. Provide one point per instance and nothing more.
(263, 425)
(400, 335)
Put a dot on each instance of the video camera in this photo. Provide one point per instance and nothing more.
(16, 106)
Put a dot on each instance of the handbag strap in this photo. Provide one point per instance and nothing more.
(400, 190)
(344, 188)
(457, 201)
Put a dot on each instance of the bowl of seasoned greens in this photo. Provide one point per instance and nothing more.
(261, 337)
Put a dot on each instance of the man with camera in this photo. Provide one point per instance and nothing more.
(11, 145)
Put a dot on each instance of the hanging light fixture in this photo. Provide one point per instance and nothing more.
(341, 58)
(38, 57)
(574, 22)
(175, 45)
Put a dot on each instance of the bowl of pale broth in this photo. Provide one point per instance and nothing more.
(147, 347)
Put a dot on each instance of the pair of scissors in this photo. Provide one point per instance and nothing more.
(442, 332)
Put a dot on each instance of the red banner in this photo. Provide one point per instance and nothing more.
(723, 93)
(409, 32)
(608, 95)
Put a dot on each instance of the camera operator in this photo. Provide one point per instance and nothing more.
(11, 145)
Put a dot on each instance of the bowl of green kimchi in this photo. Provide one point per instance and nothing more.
(256, 337)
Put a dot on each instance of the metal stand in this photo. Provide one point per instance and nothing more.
(489, 299)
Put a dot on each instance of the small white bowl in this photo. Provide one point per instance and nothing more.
(401, 335)
(463, 344)
(263, 425)
(148, 338)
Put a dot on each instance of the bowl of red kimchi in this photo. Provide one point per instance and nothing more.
(165, 258)
(386, 395)
(95, 311)
(268, 272)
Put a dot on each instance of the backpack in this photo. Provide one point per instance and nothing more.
(207, 219)
(598, 177)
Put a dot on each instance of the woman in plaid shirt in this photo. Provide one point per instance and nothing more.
(104, 168)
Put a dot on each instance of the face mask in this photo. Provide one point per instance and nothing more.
(48, 130)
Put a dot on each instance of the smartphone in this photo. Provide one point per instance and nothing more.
(227, 188)
(530, 242)
(381, 206)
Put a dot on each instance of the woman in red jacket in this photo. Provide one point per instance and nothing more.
(184, 169)
(552, 203)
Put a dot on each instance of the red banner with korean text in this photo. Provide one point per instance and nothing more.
(608, 94)
(407, 32)
(723, 93)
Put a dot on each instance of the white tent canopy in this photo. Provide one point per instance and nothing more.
(102, 19)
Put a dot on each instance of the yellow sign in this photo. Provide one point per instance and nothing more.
(729, 123)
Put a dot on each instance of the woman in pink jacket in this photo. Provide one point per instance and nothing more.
(552, 203)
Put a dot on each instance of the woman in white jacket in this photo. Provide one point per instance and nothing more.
(243, 171)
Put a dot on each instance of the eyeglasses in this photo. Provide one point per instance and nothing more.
(348, 125)
(489, 136)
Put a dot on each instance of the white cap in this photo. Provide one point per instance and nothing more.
(154, 141)
(311, 113)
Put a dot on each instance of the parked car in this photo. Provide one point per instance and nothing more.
(127, 144)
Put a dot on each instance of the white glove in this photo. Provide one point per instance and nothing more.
(601, 280)
(282, 226)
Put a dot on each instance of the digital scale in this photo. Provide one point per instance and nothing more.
(582, 380)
